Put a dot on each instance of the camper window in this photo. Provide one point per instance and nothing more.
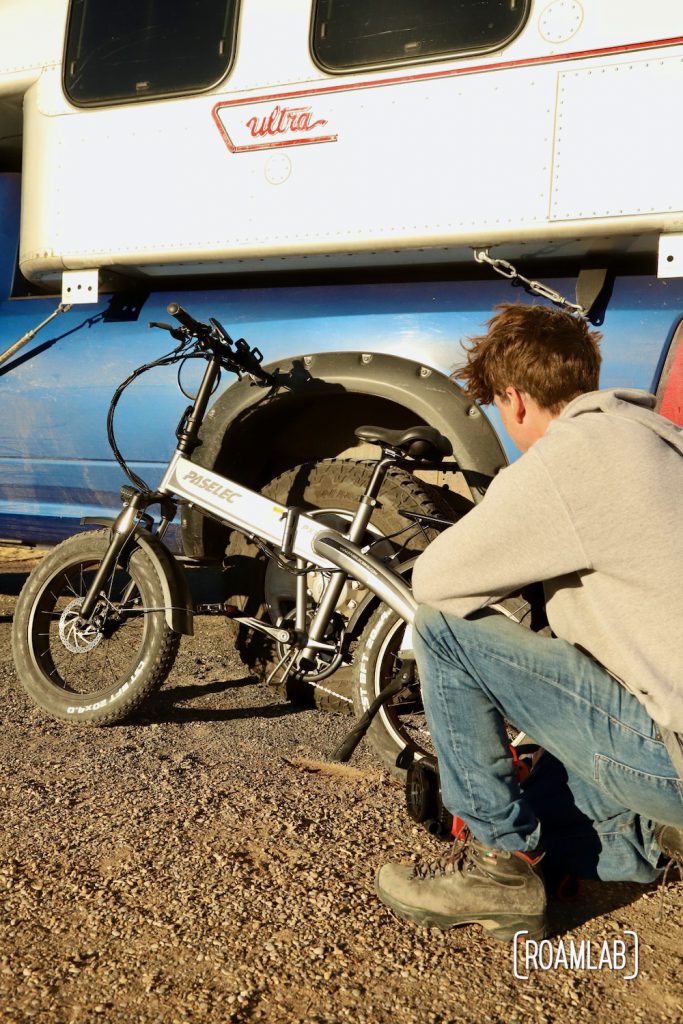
(139, 49)
(351, 34)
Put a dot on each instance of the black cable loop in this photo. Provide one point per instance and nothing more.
(166, 360)
(194, 355)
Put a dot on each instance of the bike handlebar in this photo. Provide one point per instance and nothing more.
(237, 356)
(184, 318)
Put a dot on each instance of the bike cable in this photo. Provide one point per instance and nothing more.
(180, 352)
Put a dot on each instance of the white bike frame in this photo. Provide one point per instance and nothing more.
(290, 530)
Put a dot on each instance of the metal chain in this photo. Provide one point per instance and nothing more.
(333, 693)
(506, 269)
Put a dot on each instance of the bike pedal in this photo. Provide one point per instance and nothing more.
(220, 608)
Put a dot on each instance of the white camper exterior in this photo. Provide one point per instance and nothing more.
(563, 142)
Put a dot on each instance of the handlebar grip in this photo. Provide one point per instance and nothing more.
(184, 318)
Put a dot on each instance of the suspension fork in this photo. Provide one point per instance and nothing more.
(359, 524)
(163, 527)
(122, 530)
(123, 527)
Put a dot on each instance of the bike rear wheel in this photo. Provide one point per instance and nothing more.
(98, 672)
(401, 722)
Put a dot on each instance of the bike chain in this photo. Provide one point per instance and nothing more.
(506, 269)
(332, 693)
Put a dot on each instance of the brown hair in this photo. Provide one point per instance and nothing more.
(547, 353)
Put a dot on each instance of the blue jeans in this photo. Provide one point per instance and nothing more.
(607, 778)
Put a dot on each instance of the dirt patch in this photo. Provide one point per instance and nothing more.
(18, 558)
(207, 863)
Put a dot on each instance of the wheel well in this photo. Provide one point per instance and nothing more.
(252, 436)
(269, 444)
(273, 450)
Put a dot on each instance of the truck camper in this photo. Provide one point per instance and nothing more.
(318, 174)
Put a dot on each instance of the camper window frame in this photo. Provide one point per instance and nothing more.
(140, 97)
(415, 58)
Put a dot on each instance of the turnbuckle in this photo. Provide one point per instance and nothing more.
(506, 269)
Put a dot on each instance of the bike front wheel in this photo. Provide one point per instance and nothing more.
(96, 672)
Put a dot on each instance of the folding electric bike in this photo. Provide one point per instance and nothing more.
(98, 623)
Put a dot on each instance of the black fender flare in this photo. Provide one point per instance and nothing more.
(252, 434)
(177, 598)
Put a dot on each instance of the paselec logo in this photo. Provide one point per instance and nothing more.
(215, 487)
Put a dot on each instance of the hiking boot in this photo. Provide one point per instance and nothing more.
(503, 892)
(670, 841)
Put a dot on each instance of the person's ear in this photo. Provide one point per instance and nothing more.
(517, 403)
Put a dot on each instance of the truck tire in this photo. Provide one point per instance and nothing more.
(329, 489)
(99, 675)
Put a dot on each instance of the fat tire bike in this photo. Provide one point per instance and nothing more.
(99, 621)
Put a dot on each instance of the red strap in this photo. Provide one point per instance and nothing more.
(459, 828)
(521, 769)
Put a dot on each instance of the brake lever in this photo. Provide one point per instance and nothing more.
(178, 333)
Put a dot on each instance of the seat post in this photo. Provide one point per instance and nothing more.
(359, 524)
(368, 501)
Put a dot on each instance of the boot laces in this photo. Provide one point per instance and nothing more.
(458, 859)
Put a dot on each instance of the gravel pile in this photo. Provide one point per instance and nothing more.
(207, 863)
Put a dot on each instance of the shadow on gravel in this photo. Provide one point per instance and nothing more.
(166, 706)
(176, 693)
(595, 899)
(11, 583)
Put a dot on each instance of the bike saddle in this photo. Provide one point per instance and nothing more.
(424, 444)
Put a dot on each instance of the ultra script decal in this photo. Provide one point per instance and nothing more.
(249, 126)
(297, 116)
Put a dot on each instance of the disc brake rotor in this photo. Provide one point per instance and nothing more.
(76, 636)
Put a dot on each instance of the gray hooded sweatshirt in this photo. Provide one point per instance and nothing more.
(593, 510)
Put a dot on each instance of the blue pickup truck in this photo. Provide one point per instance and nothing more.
(380, 348)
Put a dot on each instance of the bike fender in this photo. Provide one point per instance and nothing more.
(370, 601)
(369, 571)
(177, 598)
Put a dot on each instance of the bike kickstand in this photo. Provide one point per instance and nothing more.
(347, 746)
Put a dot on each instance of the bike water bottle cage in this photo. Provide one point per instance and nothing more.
(422, 444)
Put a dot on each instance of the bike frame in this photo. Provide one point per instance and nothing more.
(309, 544)
(291, 531)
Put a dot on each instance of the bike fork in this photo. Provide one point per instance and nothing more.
(121, 531)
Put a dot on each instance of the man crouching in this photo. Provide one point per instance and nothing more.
(592, 510)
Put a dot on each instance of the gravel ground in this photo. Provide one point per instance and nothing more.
(207, 863)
